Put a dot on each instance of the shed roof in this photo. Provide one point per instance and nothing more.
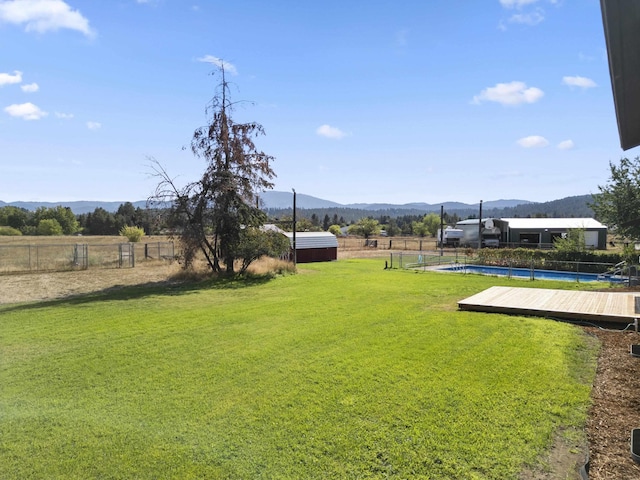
(472, 221)
(313, 240)
(560, 223)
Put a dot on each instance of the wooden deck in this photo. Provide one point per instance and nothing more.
(618, 307)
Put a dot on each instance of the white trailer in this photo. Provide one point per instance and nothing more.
(491, 234)
(451, 237)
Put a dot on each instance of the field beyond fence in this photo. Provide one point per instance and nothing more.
(40, 254)
(387, 243)
(32, 254)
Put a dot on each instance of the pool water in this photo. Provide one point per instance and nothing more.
(537, 274)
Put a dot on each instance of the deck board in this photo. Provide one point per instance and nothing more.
(619, 307)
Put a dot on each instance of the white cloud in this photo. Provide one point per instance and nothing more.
(513, 93)
(26, 111)
(533, 141)
(532, 18)
(30, 88)
(582, 82)
(528, 12)
(516, 3)
(330, 132)
(43, 16)
(218, 62)
(65, 116)
(566, 145)
(94, 125)
(8, 79)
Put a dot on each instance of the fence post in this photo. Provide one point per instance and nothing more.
(531, 274)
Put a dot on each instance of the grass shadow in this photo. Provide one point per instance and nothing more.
(169, 287)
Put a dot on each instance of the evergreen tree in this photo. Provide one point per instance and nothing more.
(618, 203)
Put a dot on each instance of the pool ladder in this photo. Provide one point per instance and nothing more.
(458, 267)
(617, 271)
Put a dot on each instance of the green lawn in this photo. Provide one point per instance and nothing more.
(342, 371)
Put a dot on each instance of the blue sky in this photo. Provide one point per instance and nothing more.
(361, 101)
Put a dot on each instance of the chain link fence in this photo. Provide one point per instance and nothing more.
(80, 256)
(386, 243)
(534, 268)
(412, 260)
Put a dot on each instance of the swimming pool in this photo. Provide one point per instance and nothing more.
(533, 274)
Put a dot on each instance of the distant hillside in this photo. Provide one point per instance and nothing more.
(277, 200)
(283, 200)
(279, 203)
(576, 207)
(566, 207)
(76, 207)
(432, 207)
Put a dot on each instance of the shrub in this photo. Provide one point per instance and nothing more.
(552, 259)
(9, 231)
(255, 244)
(335, 229)
(133, 234)
(49, 226)
(365, 227)
(573, 241)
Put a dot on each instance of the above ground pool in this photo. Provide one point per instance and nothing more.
(533, 274)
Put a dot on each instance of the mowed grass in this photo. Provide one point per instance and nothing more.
(342, 371)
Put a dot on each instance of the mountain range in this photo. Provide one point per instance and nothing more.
(284, 200)
(274, 201)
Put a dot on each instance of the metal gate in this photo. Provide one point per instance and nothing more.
(126, 255)
(81, 256)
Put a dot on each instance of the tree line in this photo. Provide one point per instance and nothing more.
(155, 221)
(569, 207)
(62, 221)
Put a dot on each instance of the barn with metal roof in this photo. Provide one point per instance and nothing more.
(544, 231)
(531, 232)
(314, 246)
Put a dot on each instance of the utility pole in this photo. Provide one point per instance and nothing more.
(295, 252)
(480, 227)
(441, 228)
